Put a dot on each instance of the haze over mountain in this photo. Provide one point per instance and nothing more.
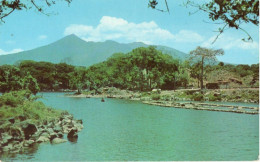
(75, 51)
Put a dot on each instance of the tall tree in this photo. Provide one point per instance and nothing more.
(201, 54)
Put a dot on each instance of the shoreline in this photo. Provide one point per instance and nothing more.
(182, 105)
(19, 134)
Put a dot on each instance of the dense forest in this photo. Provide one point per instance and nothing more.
(142, 69)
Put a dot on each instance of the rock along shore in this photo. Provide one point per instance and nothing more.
(176, 104)
(206, 106)
(18, 134)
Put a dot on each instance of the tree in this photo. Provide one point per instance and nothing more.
(9, 6)
(30, 83)
(78, 79)
(200, 54)
(230, 13)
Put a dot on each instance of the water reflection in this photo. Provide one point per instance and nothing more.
(28, 151)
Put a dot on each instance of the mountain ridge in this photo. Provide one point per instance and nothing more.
(75, 51)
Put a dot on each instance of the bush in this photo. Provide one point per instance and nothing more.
(20, 103)
(197, 97)
(166, 97)
(214, 98)
(14, 98)
(191, 92)
(155, 97)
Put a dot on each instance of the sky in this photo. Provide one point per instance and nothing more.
(125, 22)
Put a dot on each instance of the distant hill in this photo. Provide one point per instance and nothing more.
(75, 51)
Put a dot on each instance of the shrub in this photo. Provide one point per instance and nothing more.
(214, 98)
(189, 92)
(166, 97)
(17, 103)
(197, 97)
(155, 97)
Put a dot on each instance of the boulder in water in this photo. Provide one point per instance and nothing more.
(58, 140)
(42, 139)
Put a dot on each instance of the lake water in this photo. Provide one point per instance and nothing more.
(129, 130)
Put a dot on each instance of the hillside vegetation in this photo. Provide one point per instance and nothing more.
(142, 69)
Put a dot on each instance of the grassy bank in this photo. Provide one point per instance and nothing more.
(25, 122)
(21, 104)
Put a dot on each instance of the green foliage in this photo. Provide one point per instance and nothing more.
(166, 97)
(214, 98)
(202, 54)
(77, 79)
(8, 6)
(155, 96)
(141, 69)
(231, 13)
(17, 103)
(197, 97)
(12, 78)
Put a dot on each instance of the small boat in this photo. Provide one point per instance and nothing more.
(102, 100)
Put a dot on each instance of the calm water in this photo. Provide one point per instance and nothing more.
(128, 130)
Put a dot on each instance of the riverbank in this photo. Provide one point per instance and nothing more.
(25, 123)
(206, 106)
(249, 95)
(176, 98)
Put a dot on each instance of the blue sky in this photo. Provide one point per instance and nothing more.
(124, 22)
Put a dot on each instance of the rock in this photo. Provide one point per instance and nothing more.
(42, 139)
(73, 133)
(16, 147)
(57, 129)
(79, 121)
(53, 135)
(66, 129)
(60, 135)
(50, 130)
(58, 140)
(45, 134)
(36, 135)
(78, 126)
(30, 142)
(68, 117)
(5, 139)
(15, 132)
(29, 129)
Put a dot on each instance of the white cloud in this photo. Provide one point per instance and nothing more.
(112, 28)
(227, 42)
(188, 36)
(42, 37)
(2, 52)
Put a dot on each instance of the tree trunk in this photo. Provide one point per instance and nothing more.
(174, 84)
(79, 91)
(201, 79)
